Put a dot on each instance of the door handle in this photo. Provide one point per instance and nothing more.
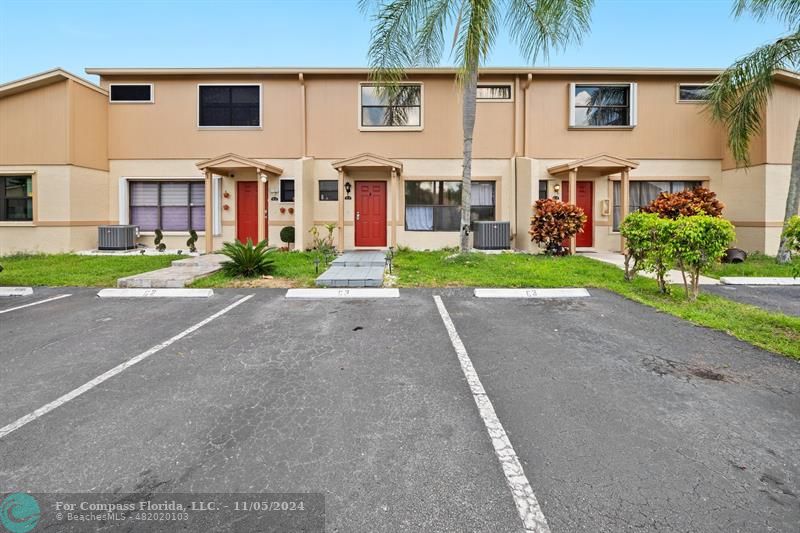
(358, 215)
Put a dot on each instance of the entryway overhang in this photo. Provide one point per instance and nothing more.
(368, 161)
(594, 167)
(223, 165)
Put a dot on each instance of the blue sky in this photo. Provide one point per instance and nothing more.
(75, 34)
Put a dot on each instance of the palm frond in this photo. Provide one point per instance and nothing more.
(480, 21)
(541, 26)
(738, 96)
(430, 36)
(787, 11)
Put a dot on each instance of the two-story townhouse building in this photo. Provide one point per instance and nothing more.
(241, 153)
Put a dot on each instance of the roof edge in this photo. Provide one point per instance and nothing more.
(46, 78)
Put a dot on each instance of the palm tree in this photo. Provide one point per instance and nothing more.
(738, 96)
(410, 33)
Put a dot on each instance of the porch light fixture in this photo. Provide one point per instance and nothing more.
(347, 188)
(556, 188)
(263, 178)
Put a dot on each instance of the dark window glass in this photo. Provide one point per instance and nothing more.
(542, 190)
(644, 192)
(230, 105)
(287, 190)
(494, 92)
(328, 190)
(131, 93)
(379, 109)
(167, 205)
(16, 198)
(436, 205)
(692, 93)
(602, 105)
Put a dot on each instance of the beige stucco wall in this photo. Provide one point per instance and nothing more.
(33, 126)
(665, 128)
(168, 127)
(68, 204)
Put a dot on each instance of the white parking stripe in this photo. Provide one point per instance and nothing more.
(35, 303)
(113, 372)
(530, 512)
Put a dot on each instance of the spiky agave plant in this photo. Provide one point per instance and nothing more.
(246, 259)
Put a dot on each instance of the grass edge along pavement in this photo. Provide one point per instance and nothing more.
(775, 332)
(72, 270)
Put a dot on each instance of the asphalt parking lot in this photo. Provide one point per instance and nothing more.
(784, 299)
(622, 417)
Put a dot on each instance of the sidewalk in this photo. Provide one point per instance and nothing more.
(182, 273)
(617, 259)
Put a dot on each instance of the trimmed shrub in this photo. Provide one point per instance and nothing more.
(697, 201)
(647, 238)
(287, 234)
(554, 222)
(160, 246)
(696, 243)
(192, 241)
(247, 260)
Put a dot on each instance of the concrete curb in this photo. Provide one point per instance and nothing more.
(354, 293)
(759, 281)
(16, 291)
(155, 293)
(531, 293)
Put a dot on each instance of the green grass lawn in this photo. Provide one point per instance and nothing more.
(773, 331)
(755, 265)
(295, 269)
(70, 270)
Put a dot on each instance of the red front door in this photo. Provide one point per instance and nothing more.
(583, 199)
(370, 213)
(247, 211)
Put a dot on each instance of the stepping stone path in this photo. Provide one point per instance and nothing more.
(355, 269)
(182, 273)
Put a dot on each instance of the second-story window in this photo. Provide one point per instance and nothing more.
(603, 105)
(688, 92)
(128, 93)
(229, 106)
(501, 92)
(403, 109)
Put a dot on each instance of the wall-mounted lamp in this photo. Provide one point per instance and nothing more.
(347, 188)
(556, 188)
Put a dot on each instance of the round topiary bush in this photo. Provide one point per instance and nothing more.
(287, 234)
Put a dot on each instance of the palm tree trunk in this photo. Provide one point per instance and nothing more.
(470, 95)
(792, 197)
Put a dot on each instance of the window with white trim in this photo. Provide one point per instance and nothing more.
(287, 190)
(495, 91)
(692, 92)
(130, 93)
(382, 110)
(167, 205)
(642, 193)
(229, 105)
(436, 205)
(602, 105)
(328, 190)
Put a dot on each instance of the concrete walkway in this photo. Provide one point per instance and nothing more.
(617, 259)
(182, 273)
(355, 269)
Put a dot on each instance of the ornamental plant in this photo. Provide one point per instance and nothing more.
(247, 260)
(791, 238)
(696, 243)
(554, 222)
(287, 234)
(647, 241)
(697, 201)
